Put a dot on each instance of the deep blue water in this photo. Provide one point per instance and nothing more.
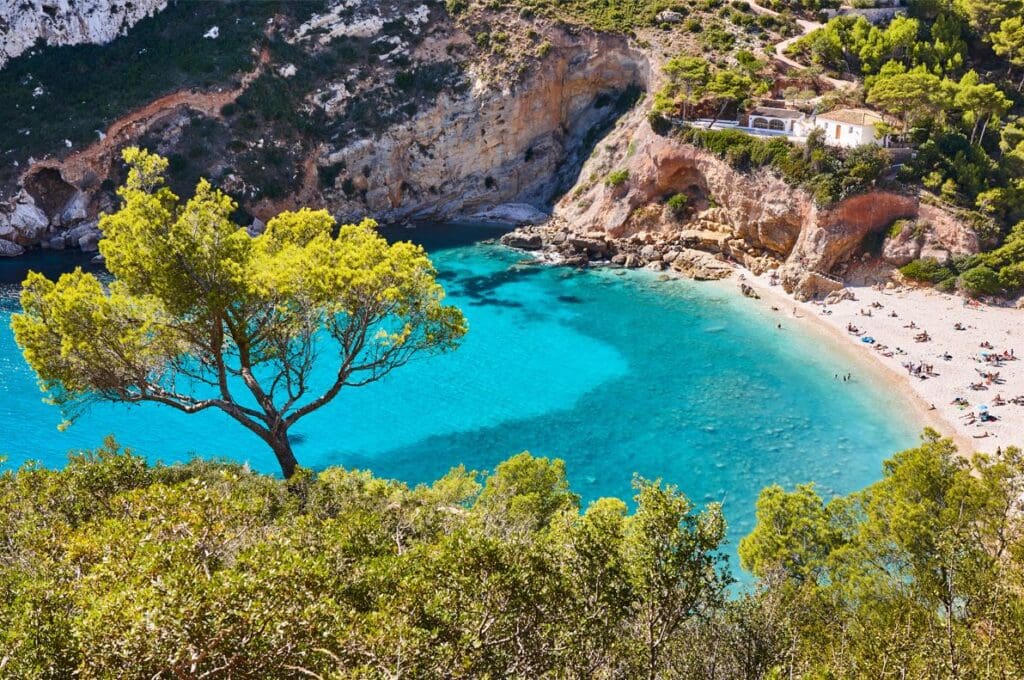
(617, 373)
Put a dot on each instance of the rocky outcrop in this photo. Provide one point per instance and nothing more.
(935, 234)
(755, 218)
(22, 224)
(67, 22)
(659, 252)
(759, 208)
(831, 235)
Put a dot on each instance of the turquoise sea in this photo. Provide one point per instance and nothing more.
(617, 373)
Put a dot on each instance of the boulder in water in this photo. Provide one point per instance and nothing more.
(10, 249)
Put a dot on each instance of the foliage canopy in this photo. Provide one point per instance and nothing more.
(112, 567)
(202, 316)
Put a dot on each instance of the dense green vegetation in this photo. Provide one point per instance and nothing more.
(830, 174)
(113, 567)
(693, 80)
(952, 73)
(605, 15)
(926, 71)
(723, 20)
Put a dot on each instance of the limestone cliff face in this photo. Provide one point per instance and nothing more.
(482, 141)
(831, 235)
(67, 22)
(491, 145)
(757, 207)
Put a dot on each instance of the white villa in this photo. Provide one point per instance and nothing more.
(848, 127)
(842, 127)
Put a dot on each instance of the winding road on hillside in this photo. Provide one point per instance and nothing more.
(781, 47)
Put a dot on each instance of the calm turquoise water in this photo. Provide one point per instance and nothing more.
(615, 374)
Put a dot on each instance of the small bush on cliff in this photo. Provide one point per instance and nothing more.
(677, 205)
(617, 178)
(456, 7)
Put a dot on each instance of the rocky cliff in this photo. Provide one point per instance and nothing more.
(390, 110)
(67, 22)
(399, 111)
(492, 145)
(650, 200)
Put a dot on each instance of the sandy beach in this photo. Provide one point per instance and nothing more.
(943, 368)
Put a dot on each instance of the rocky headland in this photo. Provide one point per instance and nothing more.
(754, 218)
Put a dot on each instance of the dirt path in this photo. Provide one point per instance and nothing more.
(95, 160)
(781, 47)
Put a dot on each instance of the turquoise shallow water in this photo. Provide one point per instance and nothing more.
(616, 374)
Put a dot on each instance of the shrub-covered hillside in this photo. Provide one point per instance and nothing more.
(951, 71)
(115, 568)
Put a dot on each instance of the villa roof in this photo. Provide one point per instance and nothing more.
(773, 112)
(853, 116)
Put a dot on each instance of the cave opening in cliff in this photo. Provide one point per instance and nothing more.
(49, 190)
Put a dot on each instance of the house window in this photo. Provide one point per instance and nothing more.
(851, 128)
(776, 125)
(759, 123)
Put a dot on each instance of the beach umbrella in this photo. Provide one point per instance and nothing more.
(982, 407)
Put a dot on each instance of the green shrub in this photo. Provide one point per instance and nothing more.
(927, 270)
(1011, 277)
(898, 226)
(617, 178)
(456, 7)
(677, 205)
(980, 281)
(659, 124)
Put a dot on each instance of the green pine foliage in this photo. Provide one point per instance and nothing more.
(113, 567)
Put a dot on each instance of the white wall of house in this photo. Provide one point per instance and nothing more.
(844, 134)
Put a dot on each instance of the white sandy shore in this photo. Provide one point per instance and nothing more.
(936, 313)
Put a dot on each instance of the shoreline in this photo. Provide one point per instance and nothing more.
(897, 382)
(950, 396)
(953, 393)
